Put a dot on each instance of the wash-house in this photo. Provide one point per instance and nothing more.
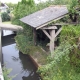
(41, 19)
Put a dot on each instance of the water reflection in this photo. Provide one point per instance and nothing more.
(29, 70)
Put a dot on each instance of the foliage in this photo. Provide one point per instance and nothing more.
(8, 10)
(72, 6)
(65, 62)
(72, 34)
(23, 41)
(11, 6)
(5, 17)
(58, 67)
(6, 73)
(61, 2)
(73, 12)
(25, 8)
(61, 67)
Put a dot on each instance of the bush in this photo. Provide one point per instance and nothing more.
(6, 73)
(5, 17)
(72, 34)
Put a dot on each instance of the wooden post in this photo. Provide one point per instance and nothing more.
(0, 47)
(51, 36)
(52, 33)
(34, 36)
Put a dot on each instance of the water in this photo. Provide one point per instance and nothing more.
(20, 64)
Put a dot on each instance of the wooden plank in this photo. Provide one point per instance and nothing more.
(46, 33)
(10, 27)
(62, 24)
(49, 27)
(58, 32)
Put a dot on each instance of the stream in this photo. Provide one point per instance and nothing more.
(21, 65)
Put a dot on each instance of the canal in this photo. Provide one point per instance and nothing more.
(21, 64)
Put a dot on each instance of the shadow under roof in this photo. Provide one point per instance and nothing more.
(44, 16)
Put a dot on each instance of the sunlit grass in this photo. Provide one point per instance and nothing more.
(7, 22)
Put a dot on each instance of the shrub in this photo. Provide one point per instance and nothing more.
(6, 73)
(5, 17)
(72, 34)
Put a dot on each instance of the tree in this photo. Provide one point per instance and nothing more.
(5, 17)
(11, 6)
(73, 13)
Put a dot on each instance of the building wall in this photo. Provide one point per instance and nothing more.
(3, 9)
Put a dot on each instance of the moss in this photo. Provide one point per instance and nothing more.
(38, 54)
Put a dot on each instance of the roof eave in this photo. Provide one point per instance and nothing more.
(50, 22)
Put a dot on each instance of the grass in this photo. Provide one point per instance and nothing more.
(7, 22)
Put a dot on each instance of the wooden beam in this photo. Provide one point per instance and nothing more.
(62, 24)
(58, 32)
(49, 27)
(47, 34)
(52, 33)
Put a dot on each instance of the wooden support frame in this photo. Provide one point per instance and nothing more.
(58, 32)
(52, 33)
(51, 36)
(46, 33)
(50, 27)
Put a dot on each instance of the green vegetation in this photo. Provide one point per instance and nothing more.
(7, 22)
(11, 6)
(5, 17)
(6, 73)
(24, 39)
(72, 34)
(61, 2)
(73, 13)
(65, 63)
(26, 7)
